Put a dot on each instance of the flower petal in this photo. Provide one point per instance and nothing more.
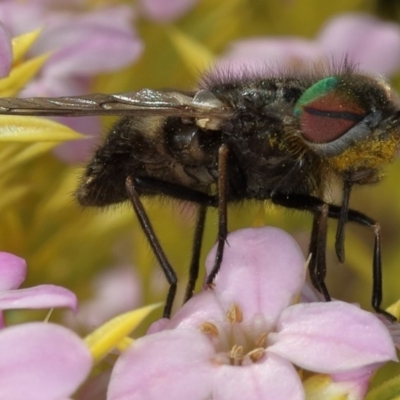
(75, 59)
(267, 55)
(41, 362)
(77, 42)
(259, 381)
(43, 296)
(115, 291)
(175, 364)
(21, 44)
(332, 337)
(5, 52)
(204, 306)
(367, 41)
(109, 335)
(33, 129)
(12, 271)
(372, 43)
(21, 18)
(77, 151)
(263, 270)
(80, 42)
(393, 327)
(166, 10)
(324, 387)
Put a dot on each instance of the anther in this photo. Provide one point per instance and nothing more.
(234, 314)
(209, 329)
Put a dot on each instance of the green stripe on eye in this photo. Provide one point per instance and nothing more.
(317, 90)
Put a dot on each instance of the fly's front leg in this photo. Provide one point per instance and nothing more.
(320, 210)
(377, 291)
(317, 249)
(315, 205)
(344, 209)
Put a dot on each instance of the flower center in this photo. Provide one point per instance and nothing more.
(234, 344)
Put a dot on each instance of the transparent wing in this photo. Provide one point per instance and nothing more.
(201, 104)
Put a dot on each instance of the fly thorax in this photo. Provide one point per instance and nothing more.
(194, 149)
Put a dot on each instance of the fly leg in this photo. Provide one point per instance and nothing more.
(134, 188)
(315, 205)
(196, 252)
(377, 292)
(317, 249)
(339, 240)
(222, 211)
(154, 243)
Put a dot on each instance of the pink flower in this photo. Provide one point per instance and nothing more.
(5, 52)
(115, 290)
(12, 274)
(372, 44)
(165, 10)
(82, 45)
(244, 338)
(41, 361)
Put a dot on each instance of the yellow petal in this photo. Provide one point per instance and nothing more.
(13, 196)
(125, 343)
(26, 154)
(21, 44)
(15, 128)
(196, 56)
(20, 75)
(113, 333)
(394, 309)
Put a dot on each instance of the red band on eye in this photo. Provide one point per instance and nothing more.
(329, 117)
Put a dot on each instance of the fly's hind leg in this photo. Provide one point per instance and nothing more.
(134, 186)
(154, 243)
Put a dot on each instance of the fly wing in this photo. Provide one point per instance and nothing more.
(201, 104)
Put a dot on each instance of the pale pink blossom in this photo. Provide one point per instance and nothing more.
(165, 10)
(12, 274)
(115, 290)
(245, 337)
(81, 45)
(370, 43)
(41, 361)
(5, 52)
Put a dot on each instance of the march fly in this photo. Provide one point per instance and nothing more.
(284, 138)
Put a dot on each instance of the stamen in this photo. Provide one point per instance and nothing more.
(262, 340)
(256, 354)
(236, 354)
(209, 329)
(234, 314)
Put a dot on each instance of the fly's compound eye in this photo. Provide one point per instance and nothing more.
(332, 117)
